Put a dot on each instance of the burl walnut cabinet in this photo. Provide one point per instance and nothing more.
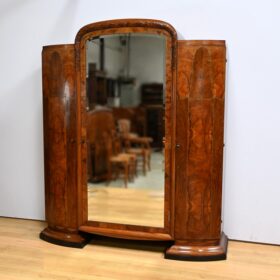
(195, 87)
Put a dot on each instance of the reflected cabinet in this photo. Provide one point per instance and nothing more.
(133, 138)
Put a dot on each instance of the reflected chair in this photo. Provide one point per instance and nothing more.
(119, 162)
(118, 150)
(134, 144)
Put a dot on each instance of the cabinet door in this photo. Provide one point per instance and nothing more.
(199, 138)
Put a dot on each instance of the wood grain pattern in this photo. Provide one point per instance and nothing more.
(60, 142)
(194, 116)
(131, 24)
(200, 114)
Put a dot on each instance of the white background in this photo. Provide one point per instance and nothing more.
(252, 124)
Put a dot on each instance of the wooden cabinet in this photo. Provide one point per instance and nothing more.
(195, 85)
(152, 102)
(96, 86)
(60, 145)
(199, 153)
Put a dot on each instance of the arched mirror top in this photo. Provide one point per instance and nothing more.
(126, 26)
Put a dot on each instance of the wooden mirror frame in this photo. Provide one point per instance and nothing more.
(122, 27)
(195, 78)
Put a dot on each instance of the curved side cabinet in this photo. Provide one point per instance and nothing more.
(60, 145)
(199, 157)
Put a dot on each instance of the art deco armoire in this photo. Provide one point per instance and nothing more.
(195, 87)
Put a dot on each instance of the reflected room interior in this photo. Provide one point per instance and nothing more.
(126, 128)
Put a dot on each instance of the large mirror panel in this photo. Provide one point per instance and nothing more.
(126, 128)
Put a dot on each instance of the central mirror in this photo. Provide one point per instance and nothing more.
(126, 112)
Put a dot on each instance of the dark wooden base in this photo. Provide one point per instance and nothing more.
(75, 240)
(185, 252)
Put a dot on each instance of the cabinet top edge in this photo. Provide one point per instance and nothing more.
(203, 42)
(58, 46)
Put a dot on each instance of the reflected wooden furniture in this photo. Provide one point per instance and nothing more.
(105, 159)
(194, 121)
(96, 86)
(136, 115)
(118, 150)
(97, 137)
(142, 149)
(124, 126)
(119, 162)
(139, 146)
(152, 102)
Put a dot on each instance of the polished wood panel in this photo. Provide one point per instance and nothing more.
(199, 137)
(194, 116)
(60, 144)
(23, 257)
(132, 25)
(126, 232)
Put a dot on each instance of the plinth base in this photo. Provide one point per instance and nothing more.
(185, 252)
(74, 240)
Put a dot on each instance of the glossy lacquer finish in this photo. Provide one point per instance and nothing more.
(60, 143)
(199, 157)
(195, 82)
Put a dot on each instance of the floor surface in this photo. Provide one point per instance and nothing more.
(24, 256)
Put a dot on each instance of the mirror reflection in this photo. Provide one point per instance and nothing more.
(125, 128)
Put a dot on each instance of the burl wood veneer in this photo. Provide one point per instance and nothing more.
(60, 142)
(199, 156)
(194, 116)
